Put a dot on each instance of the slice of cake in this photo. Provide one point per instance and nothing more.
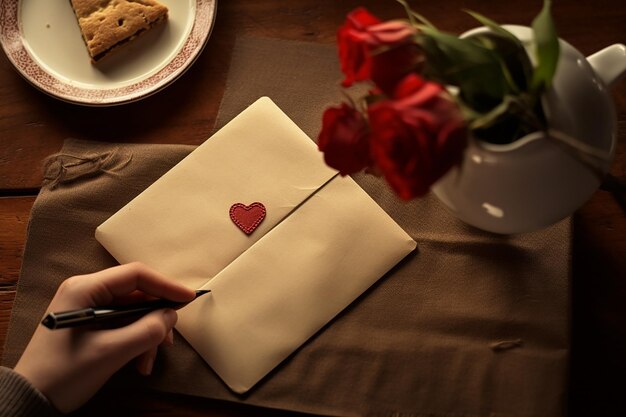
(107, 24)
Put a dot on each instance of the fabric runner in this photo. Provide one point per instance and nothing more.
(472, 324)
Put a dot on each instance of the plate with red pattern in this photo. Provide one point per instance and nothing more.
(42, 40)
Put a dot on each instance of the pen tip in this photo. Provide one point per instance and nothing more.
(201, 292)
(48, 321)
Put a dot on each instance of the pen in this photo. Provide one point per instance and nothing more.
(64, 319)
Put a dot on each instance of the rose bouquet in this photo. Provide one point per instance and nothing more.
(429, 92)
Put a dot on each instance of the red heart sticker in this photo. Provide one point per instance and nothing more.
(247, 218)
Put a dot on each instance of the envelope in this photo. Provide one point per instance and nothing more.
(283, 243)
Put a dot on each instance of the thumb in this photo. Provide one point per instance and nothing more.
(128, 342)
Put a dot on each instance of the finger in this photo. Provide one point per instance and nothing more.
(169, 339)
(126, 278)
(101, 288)
(133, 298)
(145, 361)
(123, 344)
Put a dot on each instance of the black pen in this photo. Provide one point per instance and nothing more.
(100, 315)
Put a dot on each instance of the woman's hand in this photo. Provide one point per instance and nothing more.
(69, 365)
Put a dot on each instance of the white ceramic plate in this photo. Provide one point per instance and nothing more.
(43, 41)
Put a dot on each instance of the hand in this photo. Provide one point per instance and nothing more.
(69, 365)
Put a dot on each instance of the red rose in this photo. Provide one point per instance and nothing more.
(364, 35)
(417, 136)
(344, 139)
(391, 65)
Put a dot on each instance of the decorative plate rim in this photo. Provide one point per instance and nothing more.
(33, 72)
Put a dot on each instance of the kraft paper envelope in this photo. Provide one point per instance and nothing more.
(323, 242)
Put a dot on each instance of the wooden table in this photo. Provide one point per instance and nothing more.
(33, 125)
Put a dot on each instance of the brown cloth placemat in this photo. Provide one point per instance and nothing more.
(472, 324)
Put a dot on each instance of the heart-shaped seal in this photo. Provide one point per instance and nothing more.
(247, 218)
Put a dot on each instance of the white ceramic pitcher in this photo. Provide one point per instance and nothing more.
(535, 181)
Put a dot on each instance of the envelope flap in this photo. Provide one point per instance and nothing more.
(260, 156)
(264, 304)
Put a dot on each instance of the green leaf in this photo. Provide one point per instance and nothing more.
(488, 119)
(516, 66)
(547, 44)
(467, 64)
(495, 27)
(504, 124)
(414, 15)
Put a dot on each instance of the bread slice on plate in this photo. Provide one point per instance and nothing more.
(108, 24)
